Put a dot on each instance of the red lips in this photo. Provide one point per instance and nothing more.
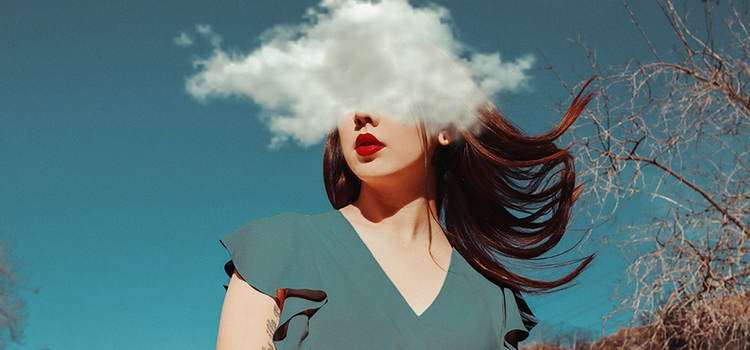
(367, 145)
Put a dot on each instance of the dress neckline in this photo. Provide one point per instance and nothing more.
(377, 269)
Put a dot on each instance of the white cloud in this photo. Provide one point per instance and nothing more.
(207, 32)
(355, 55)
(203, 28)
(183, 40)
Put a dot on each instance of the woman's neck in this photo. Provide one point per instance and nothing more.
(407, 211)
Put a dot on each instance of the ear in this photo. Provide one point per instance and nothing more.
(444, 137)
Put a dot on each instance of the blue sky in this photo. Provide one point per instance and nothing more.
(116, 184)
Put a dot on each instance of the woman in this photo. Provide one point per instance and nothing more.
(415, 255)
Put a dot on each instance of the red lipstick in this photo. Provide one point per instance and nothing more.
(367, 145)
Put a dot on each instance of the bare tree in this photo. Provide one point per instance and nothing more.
(676, 132)
(12, 307)
(565, 336)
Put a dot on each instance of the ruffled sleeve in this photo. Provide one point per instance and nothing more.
(517, 317)
(276, 256)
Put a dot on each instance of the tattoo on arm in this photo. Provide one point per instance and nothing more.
(271, 328)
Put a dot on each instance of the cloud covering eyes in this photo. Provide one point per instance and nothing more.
(351, 56)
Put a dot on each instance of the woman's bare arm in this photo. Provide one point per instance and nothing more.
(248, 318)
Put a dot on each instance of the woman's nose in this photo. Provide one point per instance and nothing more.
(362, 119)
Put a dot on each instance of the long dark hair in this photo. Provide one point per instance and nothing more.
(499, 193)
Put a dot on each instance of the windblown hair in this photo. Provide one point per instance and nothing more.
(499, 193)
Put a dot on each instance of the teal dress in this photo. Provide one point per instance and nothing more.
(338, 297)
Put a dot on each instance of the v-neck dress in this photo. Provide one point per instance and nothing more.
(338, 296)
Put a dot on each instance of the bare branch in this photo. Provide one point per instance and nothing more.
(641, 29)
(669, 142)
(703, 193)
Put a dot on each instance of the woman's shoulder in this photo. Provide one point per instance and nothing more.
(284, 229)
(274, 252)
